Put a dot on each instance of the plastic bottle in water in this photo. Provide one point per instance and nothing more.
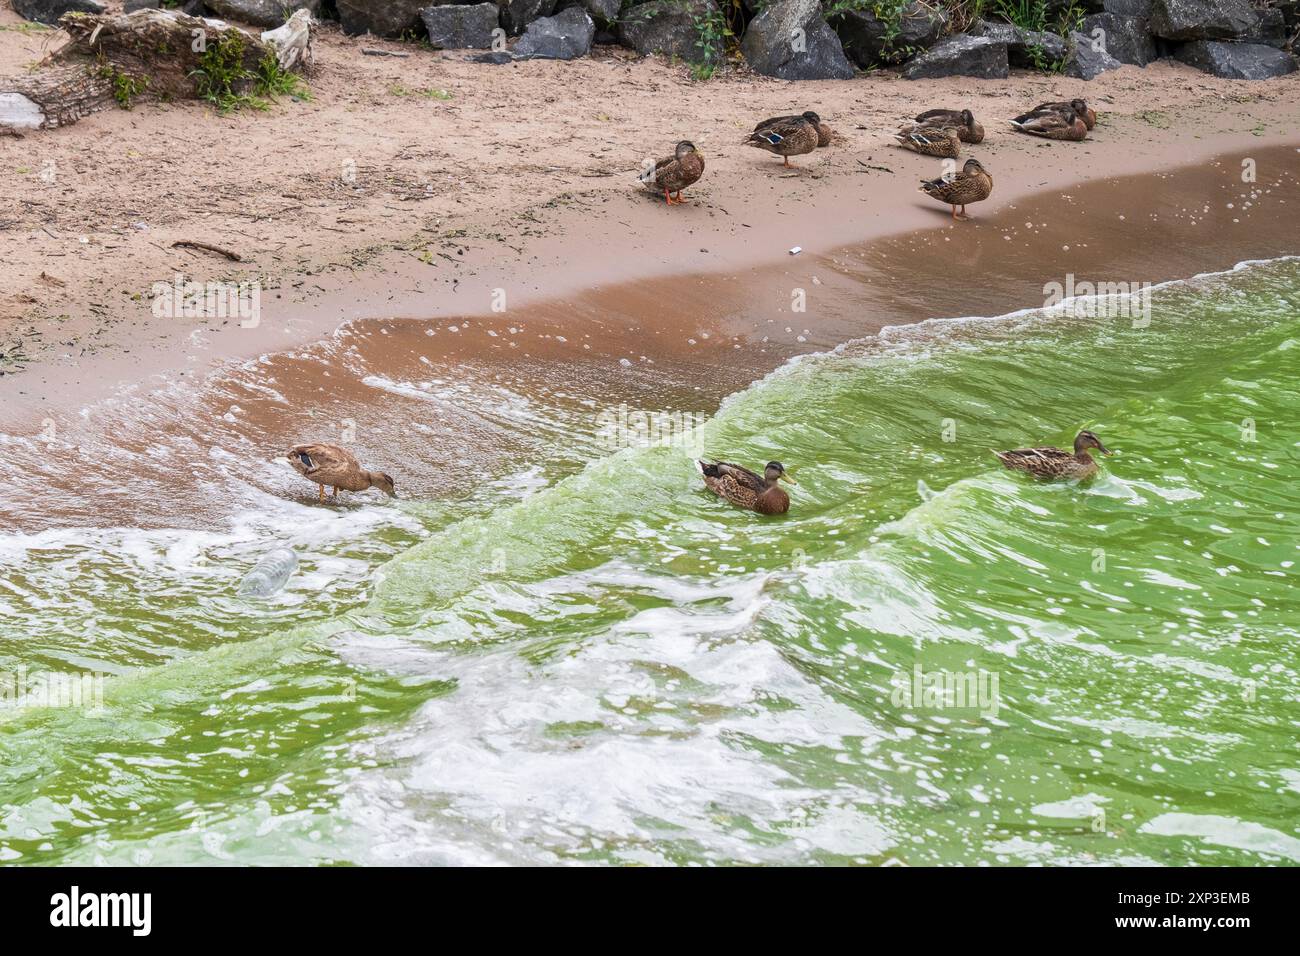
(270, 574)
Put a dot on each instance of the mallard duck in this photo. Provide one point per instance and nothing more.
(972, 184)
(745, 489)
(1052, 125)
(1052, 463)
(930, 140)
(787, 135)
(824, 133)
(676, 172)
(1080, 108)
(335, 466)
(968, 130)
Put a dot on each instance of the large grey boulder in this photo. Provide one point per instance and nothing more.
(961, 55)
(1027, 49)
(565, 36)
(1128, 8)
(460, 26)
(383, 18)
(603, 12)
(790, 40)
(261, 13)
(1270, 28)
(1202, 19)
(130, 6)
(49, 11)
(668, 27)
(1127, 39)
(1085, 60)
(1237, 61)
(517, 14)
(870, 41)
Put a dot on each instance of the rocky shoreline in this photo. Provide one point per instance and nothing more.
(808, 39)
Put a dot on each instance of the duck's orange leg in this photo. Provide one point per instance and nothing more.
(322, 492)
(667, 198)
(787, 160)
(680, 200)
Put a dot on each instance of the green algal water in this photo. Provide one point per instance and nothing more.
(621, 669)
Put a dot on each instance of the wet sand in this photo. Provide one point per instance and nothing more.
(444, 403)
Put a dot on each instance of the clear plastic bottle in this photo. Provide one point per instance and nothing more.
(270, 574)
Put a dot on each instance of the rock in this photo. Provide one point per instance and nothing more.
(868, 41)
(604, 13)
(1270, 28)
(668, 27)
(133, 5)
(1128, 8)
(261, 13)
(565, 36)
(49, 11)
(458, 26)
(790, 40)
(1127, 39)
(1085, 61)
(961, 55)
(1202, 19)
(517, 14)
(1237, 61)
(383, 18)
(1027, 49)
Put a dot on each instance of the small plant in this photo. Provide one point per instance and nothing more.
(712, 31)
(224, 81)
(126, 87)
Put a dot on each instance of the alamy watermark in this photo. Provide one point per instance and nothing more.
(185, 299)
(946, 690)
(624, 427)
(83, 690)
(1106, 300)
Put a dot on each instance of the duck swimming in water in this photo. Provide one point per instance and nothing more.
(745, 489)
(1053, 463)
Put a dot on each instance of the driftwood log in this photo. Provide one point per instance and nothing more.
(148, 54)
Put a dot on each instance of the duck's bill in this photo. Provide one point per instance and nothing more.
(1104, 450)
(786, 477)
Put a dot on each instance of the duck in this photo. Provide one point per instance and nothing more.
(1080, 107)
(968, 130)
(1051, 124)
(745, 489)
(337, 467)
(930, 140)
(1054, 463)
(972, 184)
(787, 136)
(824, 132)
(674, 173)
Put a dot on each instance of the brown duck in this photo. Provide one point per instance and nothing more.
(972, 184)
(787, 135)
(930, 140)
(824, 134)
(674, 173)
(968, 130)
(1053, 463)
(745, 489)
(1080, 107)
(335, 466)
(1050, 124)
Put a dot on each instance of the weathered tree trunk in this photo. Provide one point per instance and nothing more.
(156, 54)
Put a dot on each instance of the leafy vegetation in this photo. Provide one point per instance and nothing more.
(224, 81)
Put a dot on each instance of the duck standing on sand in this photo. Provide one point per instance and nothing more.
(1051, 124)
(968, 130)
(674, 173)
(745, 489)
(1053, 463)
(787, 135)
(930, 140)
(335, 466)
(824, 134)
(972, 184)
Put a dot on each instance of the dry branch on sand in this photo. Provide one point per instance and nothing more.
(155, 53)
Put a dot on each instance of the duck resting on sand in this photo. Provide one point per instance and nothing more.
(968, 130)
(1051, 124)
(335, 466)
(787, 135)
(1080, 108)
(972, 184)
(745, 489)
(1053, 463)
(824, 134)
(930, 140)
(674, 173)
